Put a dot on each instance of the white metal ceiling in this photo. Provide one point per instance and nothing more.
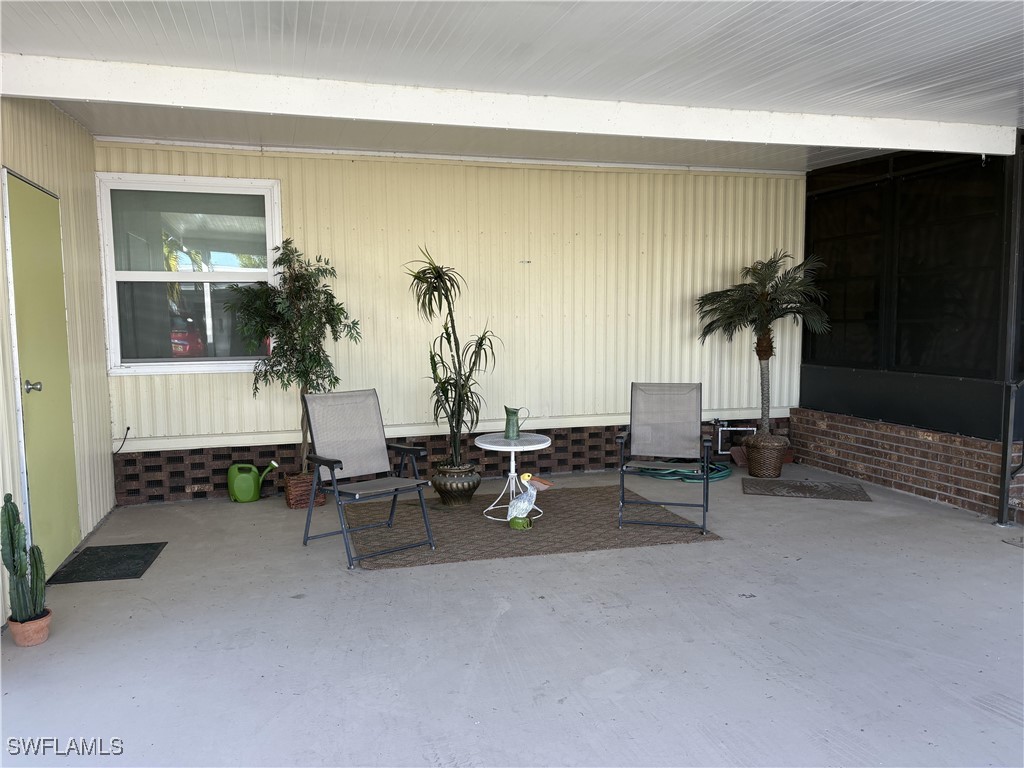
(958, 62)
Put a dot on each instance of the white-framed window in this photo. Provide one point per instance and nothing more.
(172, 248)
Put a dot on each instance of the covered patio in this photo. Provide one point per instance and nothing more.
(814, 633)
(591, 168)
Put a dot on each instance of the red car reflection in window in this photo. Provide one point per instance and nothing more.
(186, 339)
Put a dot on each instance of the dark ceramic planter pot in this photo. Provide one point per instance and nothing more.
(456, 485)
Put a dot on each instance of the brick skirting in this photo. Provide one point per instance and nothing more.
(958, 470)
(200, 473)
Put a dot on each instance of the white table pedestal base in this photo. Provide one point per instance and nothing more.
(513, 485)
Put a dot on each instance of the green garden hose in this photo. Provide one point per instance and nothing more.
(718, 472)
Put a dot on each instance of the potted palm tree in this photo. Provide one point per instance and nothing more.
(29, 621)
(454, 366)
(769, 292)
(296, 315)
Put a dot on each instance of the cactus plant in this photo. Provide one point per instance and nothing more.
(25, 566)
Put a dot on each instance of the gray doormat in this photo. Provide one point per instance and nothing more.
(804, 489)
(108, 563)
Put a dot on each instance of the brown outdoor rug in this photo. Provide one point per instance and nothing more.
(805, 489)
(575, 520)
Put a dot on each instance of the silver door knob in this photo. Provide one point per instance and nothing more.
(30, 387)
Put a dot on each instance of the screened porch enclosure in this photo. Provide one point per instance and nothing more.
(924, 291)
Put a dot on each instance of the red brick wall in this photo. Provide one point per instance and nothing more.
(957, 470)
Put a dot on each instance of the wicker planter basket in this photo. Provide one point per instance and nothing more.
(765, 454)
(296, 491)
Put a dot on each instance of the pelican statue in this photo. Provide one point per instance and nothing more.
(523, 504)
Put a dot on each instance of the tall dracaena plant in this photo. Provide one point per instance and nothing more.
(454, 365)
(296, 314)
(769, 293)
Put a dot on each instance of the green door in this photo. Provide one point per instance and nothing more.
(41, 352)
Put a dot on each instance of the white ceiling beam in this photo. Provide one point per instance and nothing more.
(104, 81)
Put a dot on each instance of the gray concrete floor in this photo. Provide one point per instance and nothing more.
(816, 633)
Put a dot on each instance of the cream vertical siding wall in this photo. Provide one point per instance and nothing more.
(588, 275)
(45, 146)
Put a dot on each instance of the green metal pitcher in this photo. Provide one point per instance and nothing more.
(513, 422)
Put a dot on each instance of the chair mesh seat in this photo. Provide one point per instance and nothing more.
(635, 464)
(381, 485)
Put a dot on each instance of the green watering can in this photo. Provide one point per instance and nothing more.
(244, 481)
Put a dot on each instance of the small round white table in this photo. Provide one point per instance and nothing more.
(496, 441)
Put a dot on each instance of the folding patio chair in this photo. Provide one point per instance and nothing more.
(347, 434)
(664, 423)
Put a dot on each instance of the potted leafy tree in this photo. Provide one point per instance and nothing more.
(30, 618)
(769, 293)
(296, 315)
(454, 366)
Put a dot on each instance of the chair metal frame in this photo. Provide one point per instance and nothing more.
(328, 470)
(680, 438)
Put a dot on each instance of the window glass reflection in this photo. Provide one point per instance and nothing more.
(178, 321)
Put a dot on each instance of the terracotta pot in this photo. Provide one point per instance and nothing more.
(456, 485)
(296, 491)
(28, 633)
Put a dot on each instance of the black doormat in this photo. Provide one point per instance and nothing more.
(107, 563)
(805, 489)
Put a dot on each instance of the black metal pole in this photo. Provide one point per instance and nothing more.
(1013, 320)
